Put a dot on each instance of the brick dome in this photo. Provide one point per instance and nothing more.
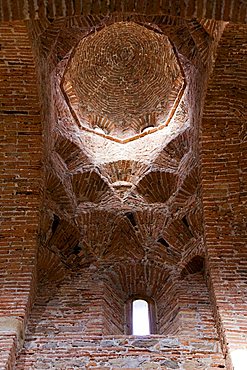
(98, 209)
(123, 79)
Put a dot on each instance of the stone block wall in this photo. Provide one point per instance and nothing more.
(125, 352)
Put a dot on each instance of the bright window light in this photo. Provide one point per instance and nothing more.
(239, 359)
(140, 317)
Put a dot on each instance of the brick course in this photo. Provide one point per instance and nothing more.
(223, 153)
(20, 166)
(93, 222)
(68, 320)
(227, 10)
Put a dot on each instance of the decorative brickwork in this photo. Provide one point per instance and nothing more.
(135, 68)
(226, 10)
(123, 174)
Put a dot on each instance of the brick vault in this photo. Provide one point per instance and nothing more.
(123, 176)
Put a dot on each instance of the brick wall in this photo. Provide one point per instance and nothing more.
(219, 9)
(20, 171)
(69, 321)
(224, 159)
(7, 350)
(114, 352)
(75, 310)
(185, 308)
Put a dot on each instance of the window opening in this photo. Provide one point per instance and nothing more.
(77, 249)
(55, 223)
(131, 218)
(163, 242)
(140, 317)
(185, 222)
(147, 128)
(99, 130)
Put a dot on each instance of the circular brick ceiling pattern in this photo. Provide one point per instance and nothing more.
(122, 79)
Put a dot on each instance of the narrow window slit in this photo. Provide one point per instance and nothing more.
(55, 223)
(131, 218)
(163, 242)
(140, 317)
(186, 223)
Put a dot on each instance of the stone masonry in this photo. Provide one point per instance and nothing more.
(123, 175)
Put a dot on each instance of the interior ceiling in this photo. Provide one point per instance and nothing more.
(124, 195)
(123, 79)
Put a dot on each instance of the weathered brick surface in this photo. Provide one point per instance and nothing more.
(219, 9)
(224, 175)
(70, 317)
(122, 218)
(7, 350)
(20, 167)
(139, 55)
